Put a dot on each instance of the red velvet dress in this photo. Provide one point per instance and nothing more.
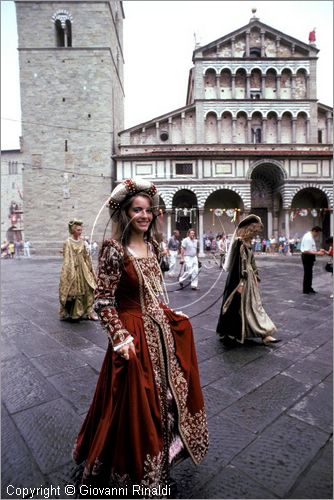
(147, 412)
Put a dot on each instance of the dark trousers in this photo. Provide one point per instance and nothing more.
(308, 263)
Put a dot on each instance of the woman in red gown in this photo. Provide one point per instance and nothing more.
(148, 411)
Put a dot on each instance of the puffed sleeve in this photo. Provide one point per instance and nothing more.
(109, 274)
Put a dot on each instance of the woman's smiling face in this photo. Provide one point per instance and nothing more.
(140, 213)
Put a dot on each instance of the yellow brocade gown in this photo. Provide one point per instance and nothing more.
(77, 281)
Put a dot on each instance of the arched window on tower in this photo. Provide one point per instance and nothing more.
(63, 27)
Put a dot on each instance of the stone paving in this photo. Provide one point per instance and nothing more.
(269, 408)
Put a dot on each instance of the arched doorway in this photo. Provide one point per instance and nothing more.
(266, 201)
(185, 211)
(309, 208)
(222, 211)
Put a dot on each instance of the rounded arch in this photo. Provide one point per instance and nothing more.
(209, 70)
(326, 191)
(255, 68)
(309, 206)
(226, 113)
(225, 68)
(222, 198)
(304, 68)
(185, 207)
(220, 187)
(257, 112)
(264, 161)
(271, 69)
(286, 69)
(209, 113)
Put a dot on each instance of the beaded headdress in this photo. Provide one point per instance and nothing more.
(131, 187)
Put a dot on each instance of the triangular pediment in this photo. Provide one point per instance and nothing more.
(289, 45)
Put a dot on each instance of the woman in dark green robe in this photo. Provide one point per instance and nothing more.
(242, 315)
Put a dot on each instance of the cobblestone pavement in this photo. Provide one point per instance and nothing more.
(269, 408)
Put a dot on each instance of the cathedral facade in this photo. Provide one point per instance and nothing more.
(252, 137)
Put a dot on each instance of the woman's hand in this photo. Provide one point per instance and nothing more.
(124, 351)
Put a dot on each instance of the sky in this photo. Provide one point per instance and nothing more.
(159, 39)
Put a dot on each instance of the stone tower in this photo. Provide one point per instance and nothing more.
(72, 98)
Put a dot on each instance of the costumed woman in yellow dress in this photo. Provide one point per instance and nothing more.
(242, 315)
(77, 279)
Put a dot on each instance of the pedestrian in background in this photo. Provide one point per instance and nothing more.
(17, 249)
(329, 252)
(174, 249)
(309, 251)
(26, 249)
(11, 249)
(242, 315)
(77, 279)
(189, 257)
(148, 410)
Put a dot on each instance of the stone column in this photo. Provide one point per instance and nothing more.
(262, 44)
(328, 128)
(278, 87)
(287, 225)
(247, 86)
(183, 116)
(247, 42)
(200, 231)
(293, 86)
(143, 135)
(219, 130)
(233, 86)
(169, 223)
(307, 130)
(249, 130)
(234, 130)
(307, 77)
(278, 40)
(218, 92)
(279, 130)
(157, 129)
(263, 86)
(294, 120)
(232, 46)
(170, 129)
(270, 223)
(264, 130)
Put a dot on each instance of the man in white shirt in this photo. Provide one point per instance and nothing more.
(189, 252)
(309, 251)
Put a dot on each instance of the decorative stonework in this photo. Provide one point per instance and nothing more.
(250, 107)
(203, 192)
(263, 66)
(62, 16)
(291, 191)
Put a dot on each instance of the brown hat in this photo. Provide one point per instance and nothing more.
(250, 219)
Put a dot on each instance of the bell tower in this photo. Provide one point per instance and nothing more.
(72, 98)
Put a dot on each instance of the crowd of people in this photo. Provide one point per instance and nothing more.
(212, 243)
(15, 249)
